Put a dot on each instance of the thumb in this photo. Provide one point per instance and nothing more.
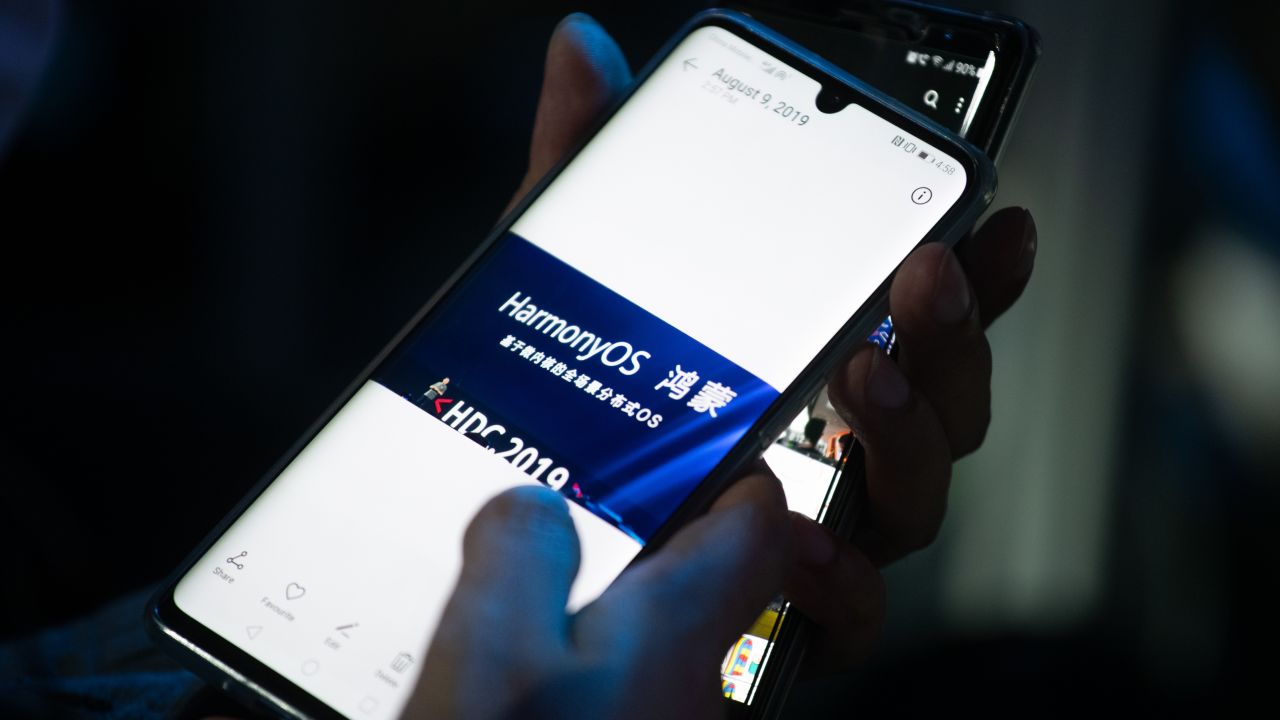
(519, 558)
(706, 585)
(585, 72)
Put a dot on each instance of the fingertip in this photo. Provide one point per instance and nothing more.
(814, 545)
(915, 280)
(520, 556)
(1009, 232)
(524, 500)
(574, 17)
(871, 391)
(529, 515)
(999, 258)
(848, 388)
(589, 40)
(932, 294)
(538, 494)
(952, 299)
(579, 22)
(757, 504)
(887, 388)
(521, 548)
(584, 72)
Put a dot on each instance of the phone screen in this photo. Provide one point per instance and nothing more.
(621, 337)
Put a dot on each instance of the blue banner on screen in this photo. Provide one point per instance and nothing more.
(577, 386)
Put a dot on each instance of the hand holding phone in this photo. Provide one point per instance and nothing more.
(828, 579)
(271, 668)
(646, 648)
(833, 582)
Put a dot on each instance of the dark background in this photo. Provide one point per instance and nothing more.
(213, 215)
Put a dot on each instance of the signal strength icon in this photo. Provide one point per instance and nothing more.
(771, 69)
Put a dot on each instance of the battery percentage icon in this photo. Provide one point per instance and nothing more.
(924, 155)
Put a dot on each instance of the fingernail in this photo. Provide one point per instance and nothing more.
(814, 546)
(1030, 241)
(951, 299)
(887, 387)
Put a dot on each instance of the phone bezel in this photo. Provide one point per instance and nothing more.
(228, 667)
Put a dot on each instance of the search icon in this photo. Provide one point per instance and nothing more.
(931, 98)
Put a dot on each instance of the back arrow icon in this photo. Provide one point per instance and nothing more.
(441, 402)
(688, 64)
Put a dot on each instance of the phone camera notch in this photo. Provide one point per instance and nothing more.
(832, 99)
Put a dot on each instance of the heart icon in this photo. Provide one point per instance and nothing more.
(294, 591)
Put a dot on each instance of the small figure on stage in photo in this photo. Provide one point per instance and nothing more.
(434, 390)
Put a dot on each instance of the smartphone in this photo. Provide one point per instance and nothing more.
(628, 335)
(965, 71)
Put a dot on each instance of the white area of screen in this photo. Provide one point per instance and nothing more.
(754, 235)
(804, 480)
(368, 520)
